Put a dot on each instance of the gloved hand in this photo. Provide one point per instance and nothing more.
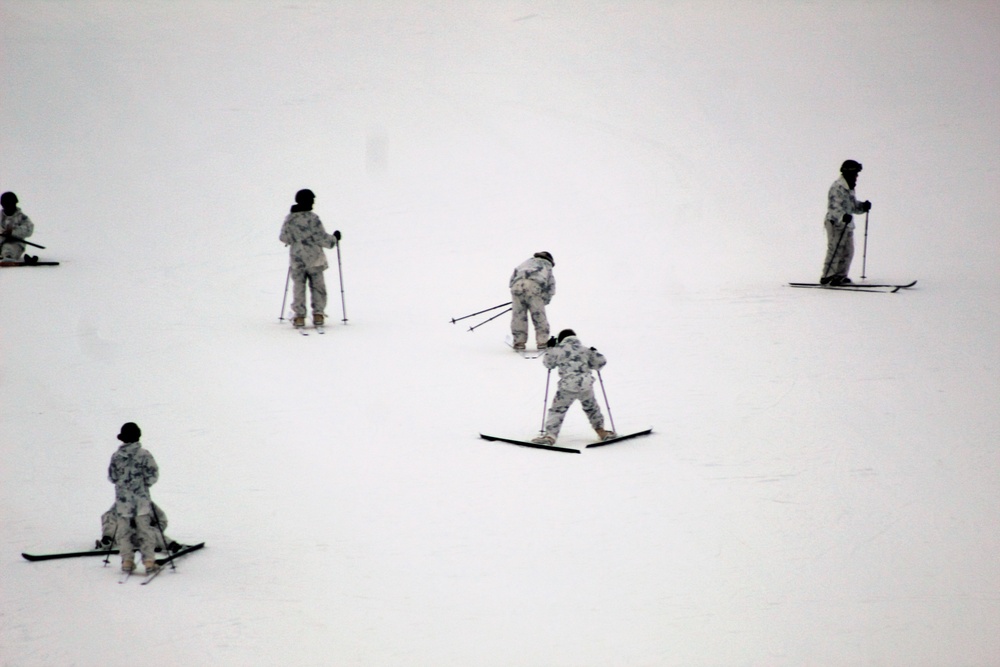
(336, 234)
(866, 206)
(552, 342)
(847, 217)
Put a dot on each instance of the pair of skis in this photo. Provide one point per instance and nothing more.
(536, 445)
(162, 561)
(857, 287)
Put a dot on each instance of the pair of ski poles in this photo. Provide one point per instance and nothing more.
(864, 254)
(465, 317)
(340, 273)
(545, 404)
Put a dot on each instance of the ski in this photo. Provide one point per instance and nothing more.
(526, 443)
(619, 438)
(858, 287)
(162, 562)
(525, 353)
(183, 551)
(125, 577)
(69, 554)
(102, 552)
(13, 264)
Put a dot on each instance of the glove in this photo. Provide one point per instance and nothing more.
(336, 234)
(848, 217)
(552, 342)
(866, 206)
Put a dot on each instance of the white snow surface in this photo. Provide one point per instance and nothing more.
(823, 483)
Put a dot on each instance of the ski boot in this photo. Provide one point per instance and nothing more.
(544, 439)
(604, 434)
(151, 565)
(319, 319)
(128, 565)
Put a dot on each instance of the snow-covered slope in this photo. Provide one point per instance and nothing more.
(822, 484)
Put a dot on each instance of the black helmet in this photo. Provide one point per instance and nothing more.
(304, 197)
(850, 165)
(546, 256)
(8, 200)
(566, 333)
(130, 432)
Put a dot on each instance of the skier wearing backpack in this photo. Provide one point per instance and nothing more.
(576, 364)
(305, 236)
(532, 287)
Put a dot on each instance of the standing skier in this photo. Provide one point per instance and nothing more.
(532, 287)
(304, 234)
(14, 227)
(133, 470)
(576, 383)
(839, 223)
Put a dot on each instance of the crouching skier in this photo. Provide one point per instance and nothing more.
(109, 532)
(304, 234)
(133, 470)
(576, 383)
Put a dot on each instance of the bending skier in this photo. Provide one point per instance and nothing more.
(109, 532)
(15, 226)
(576, 383)
(304, 234)
(133, 470)
(839, 223)
(532, 287)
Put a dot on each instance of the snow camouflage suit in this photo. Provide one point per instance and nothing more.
(576, 382)
(133, 470)
(532, 287)
(20, 227)
(304, 234)
(839, 234)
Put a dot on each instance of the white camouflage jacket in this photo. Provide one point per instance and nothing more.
(575, 363)
(18, 224)
(538, 271)
(132, 470)
(841, 200)
(305, 236)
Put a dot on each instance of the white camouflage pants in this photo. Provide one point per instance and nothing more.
(839, 249)
(561, 404)
(141, 536)
(525, 296)
(317, 290)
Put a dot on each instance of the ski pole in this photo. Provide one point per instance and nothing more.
(610, 418)
(14, 239)
(491, 319)
(111, 546)
(864, 255)
(285, 298)
(159, 526)
(464, 317)
(340, 271)
(545, 404)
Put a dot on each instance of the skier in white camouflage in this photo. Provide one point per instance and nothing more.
(532, 287)
(576, 364)
(842, 205)
(305, 236)
(109, 531)
(14, 226)
(133, 470)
